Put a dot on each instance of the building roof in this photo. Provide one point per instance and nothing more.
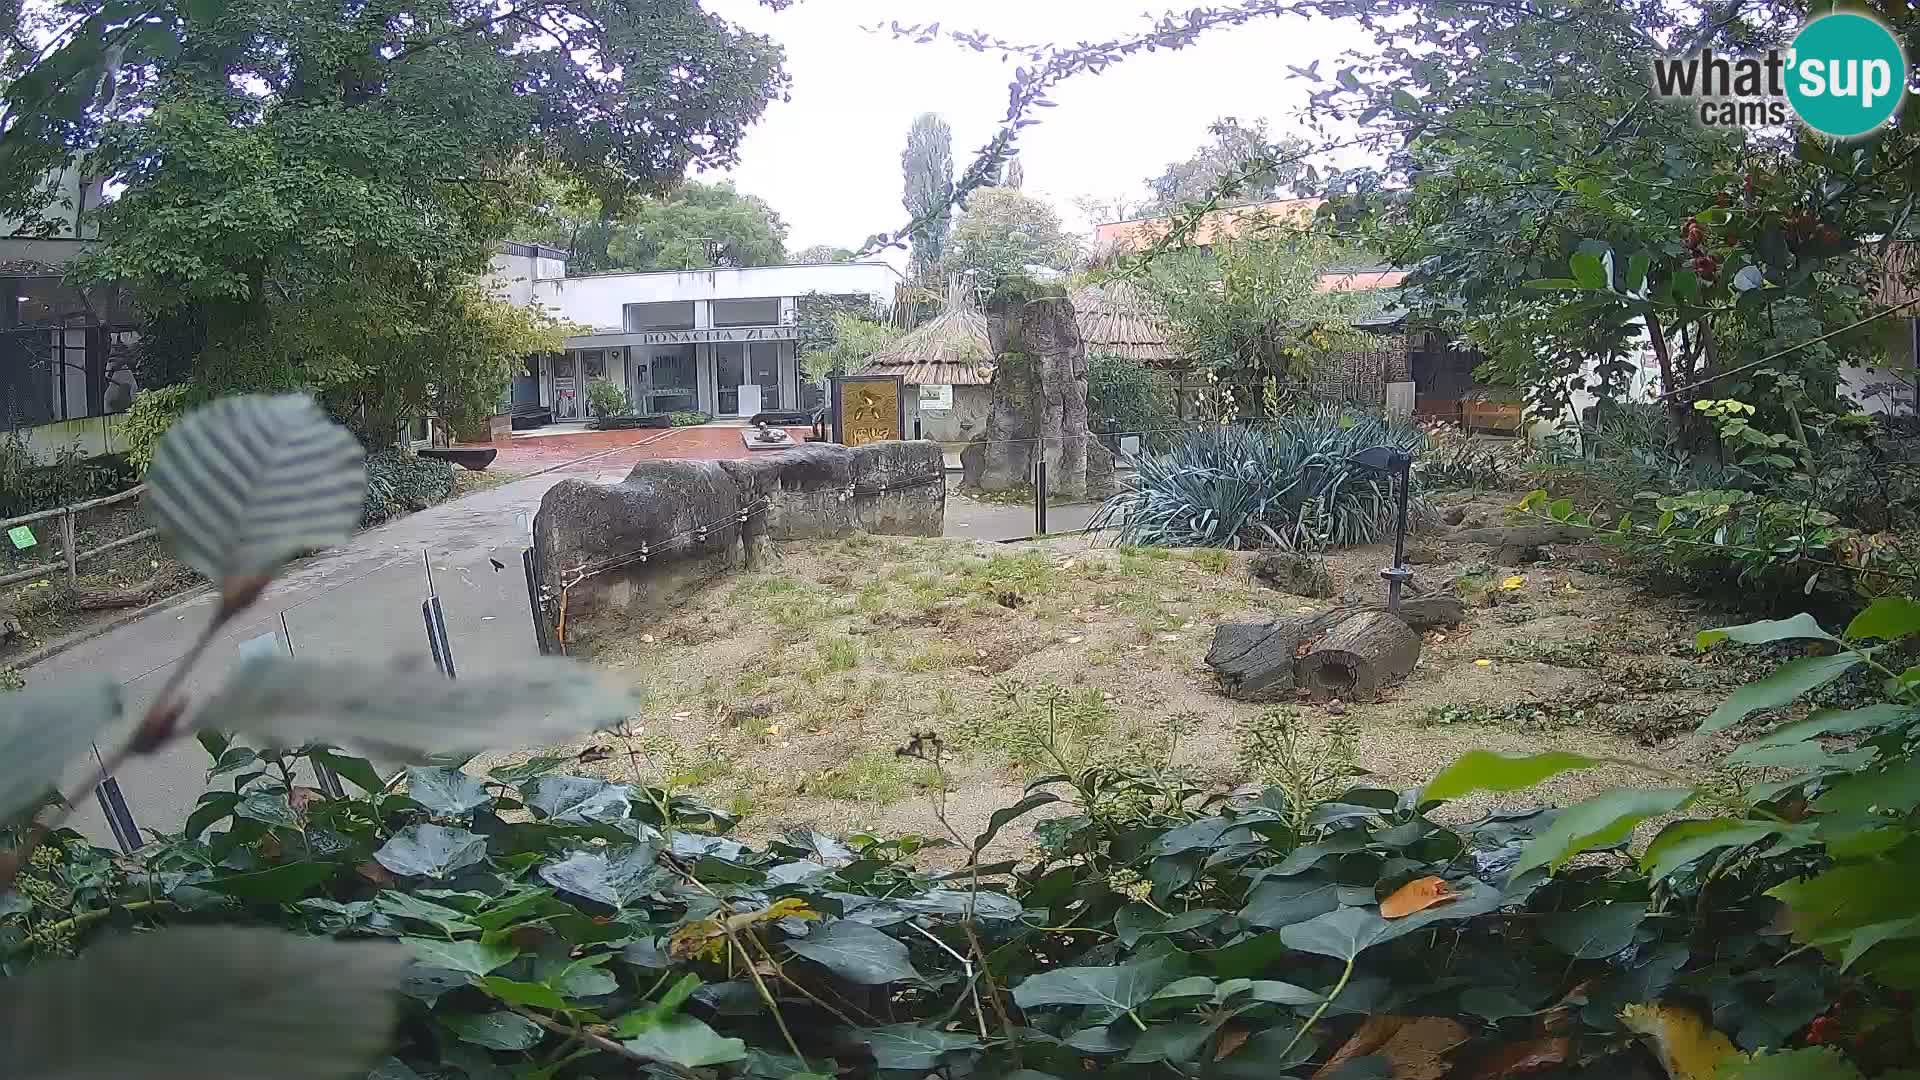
(1117, 318)
(1139, 233)
(953, 349)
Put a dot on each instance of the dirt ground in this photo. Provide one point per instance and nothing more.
(783, 694)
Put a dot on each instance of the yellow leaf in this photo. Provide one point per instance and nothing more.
(1514, 582)
(1483, 663)
(1416, 895)
(1688, 1048)
(773, 729)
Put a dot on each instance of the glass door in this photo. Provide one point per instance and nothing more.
(568, 397)
(763, 370)
(729, 371)
(593, 368)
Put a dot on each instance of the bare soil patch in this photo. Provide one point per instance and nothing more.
(783, 694)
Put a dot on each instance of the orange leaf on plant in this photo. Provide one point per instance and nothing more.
(1416, 895)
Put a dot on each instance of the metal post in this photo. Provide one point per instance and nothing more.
(113, 807)
(533, 601)
(1040, 493)
(436, 621)
(916, 425)
(1399, 572)
(66, 540)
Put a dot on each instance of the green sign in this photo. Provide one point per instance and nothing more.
(22, 537)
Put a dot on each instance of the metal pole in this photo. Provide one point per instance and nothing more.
(1400, 573)
(329, 780)
(1040, 493)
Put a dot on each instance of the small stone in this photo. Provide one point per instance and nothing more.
(646, 639)
(1168, 637)
(1335, 708)
(1075, 640)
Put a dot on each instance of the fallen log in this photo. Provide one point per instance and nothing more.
(1358, 656)
(1261, 660)
(131, 596)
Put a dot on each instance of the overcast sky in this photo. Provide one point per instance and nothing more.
(829, 160)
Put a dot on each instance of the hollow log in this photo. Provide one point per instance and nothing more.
(1255, 661)
(1358, 656)
(1429, 612)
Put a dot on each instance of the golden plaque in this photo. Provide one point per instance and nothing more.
(869, 409)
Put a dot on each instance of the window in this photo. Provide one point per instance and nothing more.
(764, 312)
(677, 315)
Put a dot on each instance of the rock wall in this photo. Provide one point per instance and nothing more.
(1039, 401)
(694, 521)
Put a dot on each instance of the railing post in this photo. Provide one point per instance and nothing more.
(66, 539)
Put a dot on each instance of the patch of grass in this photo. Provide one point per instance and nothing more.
(938, 655)
(944, 702)
(1522, 716)
(873, 598)
(1215, 560)
(839, 654)
(751, 681)
(1581, 655)
(875, 776)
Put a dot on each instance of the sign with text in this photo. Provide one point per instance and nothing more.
(936, 398)
(732, 333)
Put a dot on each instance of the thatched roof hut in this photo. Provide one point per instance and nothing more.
(950, 350)
(1117, 318)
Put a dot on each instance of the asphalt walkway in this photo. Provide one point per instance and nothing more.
(364, 600)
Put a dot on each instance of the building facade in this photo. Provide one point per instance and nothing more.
(66, 353)
(723, 341)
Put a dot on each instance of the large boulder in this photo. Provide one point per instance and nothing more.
(807, 491)
(900, 488)
(1039, 397)
(613, 554)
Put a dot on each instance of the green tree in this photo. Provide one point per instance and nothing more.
(1235, 150)
(823, 253)
(927, 166)
(304, 193)
(1003, 231)
(694, 226)
(1249, 311)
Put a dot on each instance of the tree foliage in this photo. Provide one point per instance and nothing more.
(695, 226)
(1235, 151)
(1002, 232)
(823, 253)
(927, 168)
(308, 196)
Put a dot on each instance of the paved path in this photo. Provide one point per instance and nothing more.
(363, 601)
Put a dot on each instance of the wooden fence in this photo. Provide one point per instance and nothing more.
(72, 558)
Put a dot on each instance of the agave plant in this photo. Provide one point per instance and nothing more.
(1287, 483)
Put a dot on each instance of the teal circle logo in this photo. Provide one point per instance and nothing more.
(1847, 75)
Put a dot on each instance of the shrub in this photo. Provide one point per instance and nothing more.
(1455, 459)
(401, 482)
(1287, 484)
(149, 417)
(689, 418)
(1125, 396)
(606, 398)
(29, 486)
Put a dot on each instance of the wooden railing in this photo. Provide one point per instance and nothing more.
(72, 558)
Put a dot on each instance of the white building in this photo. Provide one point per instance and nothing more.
(722, 341)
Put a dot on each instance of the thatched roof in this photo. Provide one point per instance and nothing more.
(950, 350)
(1118, 319)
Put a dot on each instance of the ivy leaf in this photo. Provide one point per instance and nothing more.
(42, 731)
(1683, 842)
(1862, 940)
(192, 1002)
(268, 808)
(913, 1046)
(1350, 931)
(686, 1042)
(500, 1030)
(471, 957)
(857, 953)
(1595, 932)
(1486, 770)
(1895, 788)
(1280, 902)
(431, 851)
(241, 485)
(1889, 618)
(1007, 815)
(1120, 987)
(616, 877)
(354, 770)
(1787, 682)
(401, 905)
(280, 885)
(579, 800)
(1601, 821)
(512, 992)
(446, 792)
(1749, 278)
(408, 714)
(1589, 269)
(1765, 632)
(1827, 722)
(1492, 1004)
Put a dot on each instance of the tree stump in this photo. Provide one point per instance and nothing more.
(1358, 656)
(1255, 661)
(1039, 396)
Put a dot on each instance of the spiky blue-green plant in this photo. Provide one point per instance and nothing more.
(1286, 483)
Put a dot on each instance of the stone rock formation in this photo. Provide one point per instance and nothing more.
(1039, 399)
(608, 554)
